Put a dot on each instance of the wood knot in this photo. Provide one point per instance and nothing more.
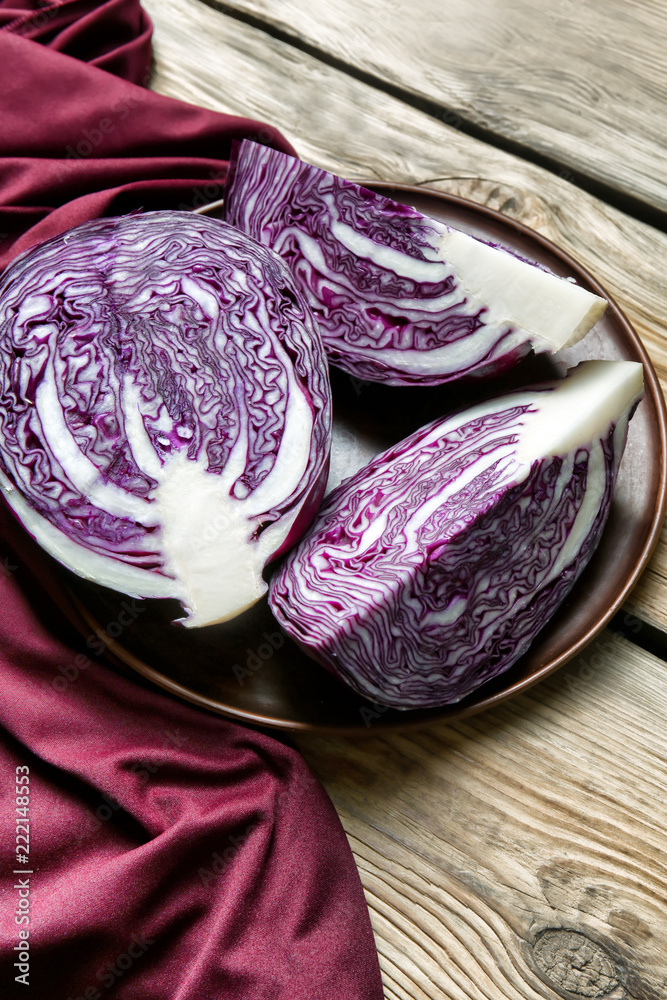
(575, 963)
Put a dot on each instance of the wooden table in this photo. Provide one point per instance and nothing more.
(520, 853)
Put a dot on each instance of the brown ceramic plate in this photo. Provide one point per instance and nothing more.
(245, 668)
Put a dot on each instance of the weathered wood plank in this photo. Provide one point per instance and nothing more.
(647, 600)
(549, 814)
(582, 83)
(346, 126)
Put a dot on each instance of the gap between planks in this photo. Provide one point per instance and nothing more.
(547, 812)
(513, 118)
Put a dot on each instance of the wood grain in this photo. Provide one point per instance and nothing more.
(343, 125)
(520, 854)
(584, 84)
(547, 815)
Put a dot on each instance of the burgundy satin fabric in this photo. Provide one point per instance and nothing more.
(171, 853)
(78, 142)
(114, 35)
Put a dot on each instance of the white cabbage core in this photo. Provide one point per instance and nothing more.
(522, 302)
(207, 538)
(555, 312)
(208, 535)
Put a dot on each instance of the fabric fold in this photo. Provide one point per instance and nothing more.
(149, 849)
(79, 142)
(152, 822)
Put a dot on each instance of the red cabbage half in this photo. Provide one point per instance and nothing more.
(400, 298)
(165, 407)
(432, 569)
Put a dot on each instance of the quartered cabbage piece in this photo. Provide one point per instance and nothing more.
(400, 298)
(433, 568)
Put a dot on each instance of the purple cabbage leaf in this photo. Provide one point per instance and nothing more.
(432, 569)
(165, 407)
(400, 298)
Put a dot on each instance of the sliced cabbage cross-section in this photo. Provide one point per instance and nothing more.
(433, 568)
(165, 407)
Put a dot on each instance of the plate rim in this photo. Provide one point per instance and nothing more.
(444, 714)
